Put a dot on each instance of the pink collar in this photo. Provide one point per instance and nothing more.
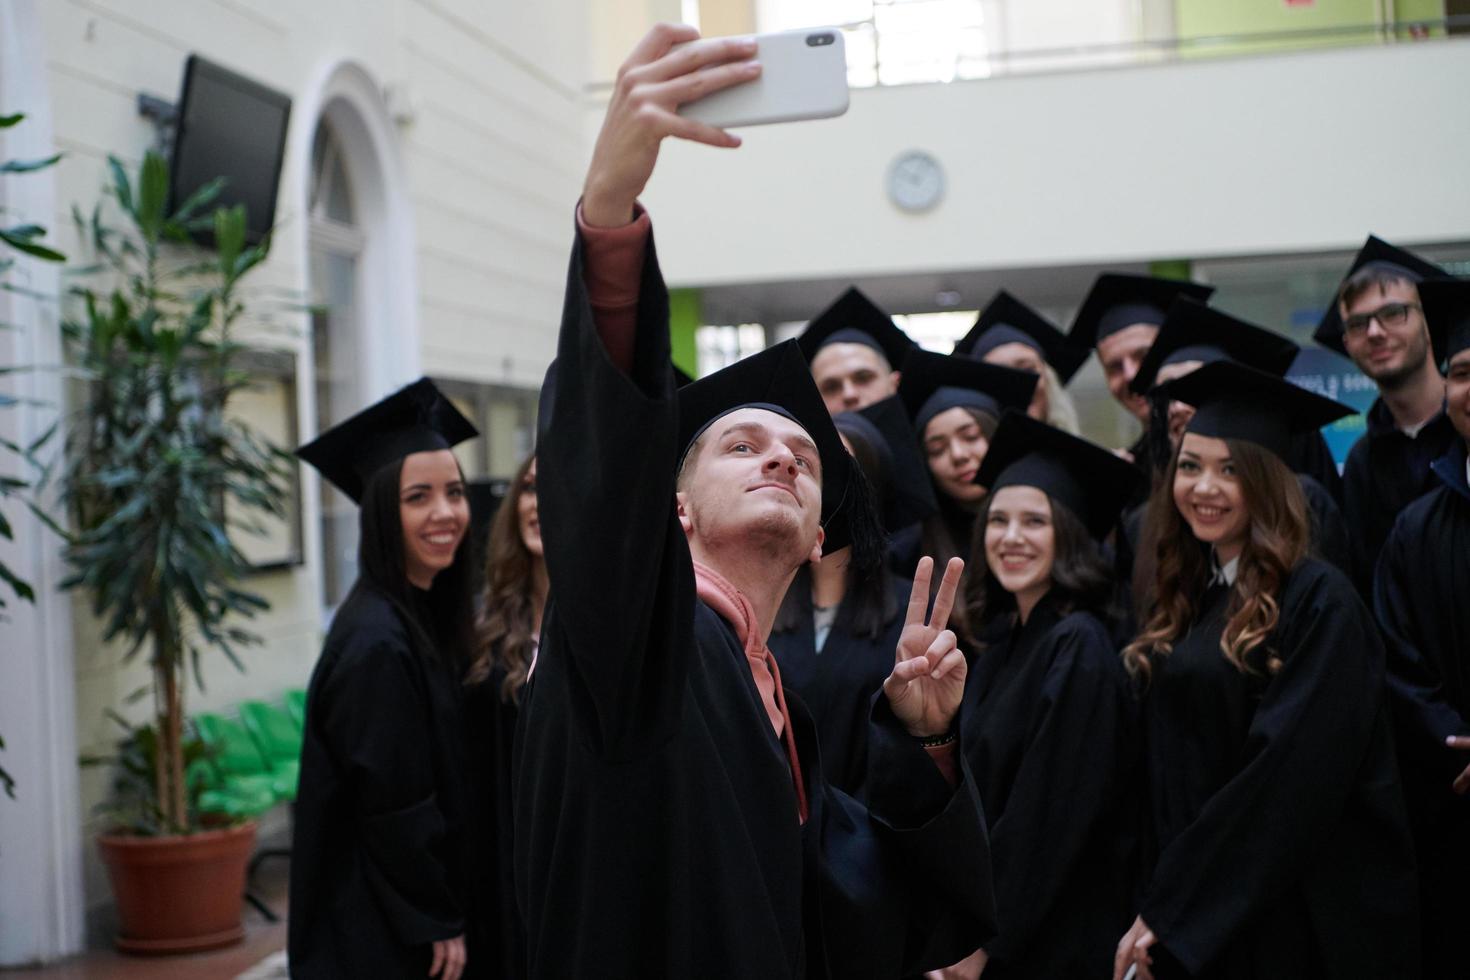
(733, 607)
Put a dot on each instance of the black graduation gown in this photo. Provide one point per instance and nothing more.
(656, 820)
(837, 684)
(496, 944)
(905, 548)
(1422, 597)
(1330, 539)
(1384, 473)
(1142, 452)
(1051, 734)
(1308, 455)
(377, 856)
(1282, 843)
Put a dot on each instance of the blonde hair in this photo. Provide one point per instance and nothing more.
(1061, 411)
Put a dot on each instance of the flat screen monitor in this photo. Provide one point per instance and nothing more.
(232, 127)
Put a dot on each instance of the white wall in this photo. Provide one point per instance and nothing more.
(1281, 153)
(486, 160)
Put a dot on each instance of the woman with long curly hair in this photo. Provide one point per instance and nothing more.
(1050, 720)
(508, 630)
(1279, 841)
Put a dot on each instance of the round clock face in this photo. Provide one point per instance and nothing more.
(915, 181)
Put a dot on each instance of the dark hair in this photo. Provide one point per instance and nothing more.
(1370, 277)
(439, 622)
(1276, 543)
(1080, 577)
(942, 533)
(868, 604)
(505, 629)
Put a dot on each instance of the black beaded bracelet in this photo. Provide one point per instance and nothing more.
(935, 741)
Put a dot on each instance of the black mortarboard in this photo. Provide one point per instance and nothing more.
(854, 319)
(1379, 254)
(934, 383)
(1091, 481)
(414, 419)
(1007, 320)
(1117, 300)
(1447, 311)
(1233, 401)
(1193, 331)
(912, 498)
(778, 380)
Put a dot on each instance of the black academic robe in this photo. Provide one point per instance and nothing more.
(838, 682)
(377, 856)
(496, 944)
(1051, 734)
(1330, 539)
(1422, 597)
(1281, 841)
(1308, 455)
(905, 548)
(1385, 472)
(1142, 452)
(656, 818)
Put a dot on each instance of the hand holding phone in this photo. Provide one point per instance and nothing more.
(803, 76)
(664, 71)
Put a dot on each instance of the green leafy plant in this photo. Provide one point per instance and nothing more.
(153, 456)
(133, 806)
(26, 239)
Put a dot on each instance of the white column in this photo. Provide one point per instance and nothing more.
(42, 909)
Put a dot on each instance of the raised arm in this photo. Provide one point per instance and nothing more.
(618, 622)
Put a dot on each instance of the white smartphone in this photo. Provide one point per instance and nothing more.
(803, 76)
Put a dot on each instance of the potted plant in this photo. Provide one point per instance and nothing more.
(25, 238)
(155, 475)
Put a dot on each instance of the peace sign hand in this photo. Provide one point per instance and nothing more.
(928, 678)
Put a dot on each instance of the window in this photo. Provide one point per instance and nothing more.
(336, 244)
(895, 42)
(506, 418)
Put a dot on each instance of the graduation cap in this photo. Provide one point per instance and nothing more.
(1375, 254)
(1007, 320)
(414, 419)
(854, 319)
(1233, 401)
(1447, 311)
(887, 421)
(1117, 300)
(1091, 481)
(934, 383)
(778, 380)
(1193, 331)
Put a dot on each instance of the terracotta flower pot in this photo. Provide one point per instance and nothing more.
(178, 894)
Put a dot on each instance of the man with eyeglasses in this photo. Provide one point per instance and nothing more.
(1419, 592)
(1378, 321)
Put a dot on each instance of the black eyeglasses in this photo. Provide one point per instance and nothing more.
(1388, 315)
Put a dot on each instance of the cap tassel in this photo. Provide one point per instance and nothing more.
(865, 528)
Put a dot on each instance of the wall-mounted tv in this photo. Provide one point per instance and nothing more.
(230, 126)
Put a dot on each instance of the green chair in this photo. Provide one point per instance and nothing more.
(296, 707)
(246, 780)
(279, 740)
(239, 764)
